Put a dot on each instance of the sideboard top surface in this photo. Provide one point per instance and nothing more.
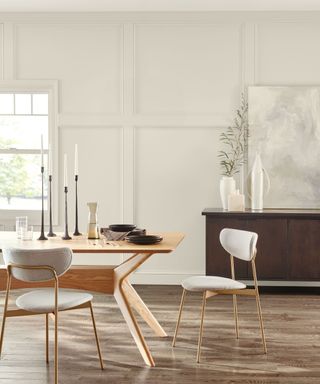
(265, 213)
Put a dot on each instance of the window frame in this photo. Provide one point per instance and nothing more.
(7, 216)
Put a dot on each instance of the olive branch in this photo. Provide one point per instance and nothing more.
(235, 140)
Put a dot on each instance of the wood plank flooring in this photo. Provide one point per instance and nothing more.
(292, 324)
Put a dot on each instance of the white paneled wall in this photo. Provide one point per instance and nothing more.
(85, 58)
(186, 65)
(287, 53)
(146, 96)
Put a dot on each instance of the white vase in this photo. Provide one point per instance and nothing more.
(257, 185)
(227, 187)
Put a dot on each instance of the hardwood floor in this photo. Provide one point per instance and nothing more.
(292, 324)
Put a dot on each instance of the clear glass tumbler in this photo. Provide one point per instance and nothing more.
(27, 233)
(21, 225)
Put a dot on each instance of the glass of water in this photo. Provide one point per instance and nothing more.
(21, 225)
(27, 233)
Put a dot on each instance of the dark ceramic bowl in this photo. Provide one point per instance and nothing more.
(122, 227)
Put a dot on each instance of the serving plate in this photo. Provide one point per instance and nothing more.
(144, 240)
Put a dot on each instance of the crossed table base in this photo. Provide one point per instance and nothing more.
(108, 279)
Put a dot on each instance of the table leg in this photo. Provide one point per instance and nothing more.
(138, 304)
(120, 284)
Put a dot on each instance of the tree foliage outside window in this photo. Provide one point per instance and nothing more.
(14, 178)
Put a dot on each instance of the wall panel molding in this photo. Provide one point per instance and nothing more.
(118, 116)
(232, 31)
(1, 51)
(86, 58)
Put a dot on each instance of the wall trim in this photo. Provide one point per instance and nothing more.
(154, 278)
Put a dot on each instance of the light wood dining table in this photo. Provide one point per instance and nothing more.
(109, 279)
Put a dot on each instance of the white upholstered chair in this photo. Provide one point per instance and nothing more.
(42, 266)
(239, 244)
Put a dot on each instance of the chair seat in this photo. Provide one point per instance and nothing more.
(211, 283)
(42, 300)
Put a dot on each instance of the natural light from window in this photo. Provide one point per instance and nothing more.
(23, 119)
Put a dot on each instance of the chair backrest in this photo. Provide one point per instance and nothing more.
(58, 258)
(238, 243)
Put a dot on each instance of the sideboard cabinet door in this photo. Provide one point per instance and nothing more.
(304, 249)
(271, 259)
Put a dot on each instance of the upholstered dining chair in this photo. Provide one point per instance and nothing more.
(42, 266)
(242, 245)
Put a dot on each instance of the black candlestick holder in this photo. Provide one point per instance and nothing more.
(66, 234)
(76, 230)
(50, 234)
(42, 235)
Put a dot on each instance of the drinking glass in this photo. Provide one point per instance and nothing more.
(27, 233)
(21, 224)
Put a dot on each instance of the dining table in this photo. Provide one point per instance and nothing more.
(108, 279)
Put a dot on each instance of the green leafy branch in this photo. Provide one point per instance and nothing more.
(235, 141)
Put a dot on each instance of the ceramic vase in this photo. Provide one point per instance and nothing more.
(93, 231)
(227, 187)
(259, 184)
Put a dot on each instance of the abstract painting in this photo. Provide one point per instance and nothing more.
(284, 126)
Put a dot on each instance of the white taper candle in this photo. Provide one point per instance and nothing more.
(65, 171)
(50, 161)
(76, 160)
(41, 150)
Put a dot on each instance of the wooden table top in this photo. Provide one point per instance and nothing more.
(80, 244)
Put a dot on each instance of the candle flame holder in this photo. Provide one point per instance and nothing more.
(76, 230)
(42, 235)
(50, 234)
(66, 234)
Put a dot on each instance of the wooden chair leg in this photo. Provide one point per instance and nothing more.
(56, 337)
(235, 314)
(5, 312)
(261, 322)
(2, 329)
(179, 317)
(47, 338)
(201, 325)
(96, 336)
(234, 299)
(254, 273)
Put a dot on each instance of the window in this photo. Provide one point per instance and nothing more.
(27, 113)
(23, 119)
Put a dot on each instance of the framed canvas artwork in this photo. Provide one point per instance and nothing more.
(284, 126)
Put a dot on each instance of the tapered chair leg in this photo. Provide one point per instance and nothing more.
(47, 338)
(56, 339)
(234, 299)
(261, 323)
(179, 317)
(96, 336)
(235, 314)
(2, 329)
(254, 273)
(5, 312)
(201, 325)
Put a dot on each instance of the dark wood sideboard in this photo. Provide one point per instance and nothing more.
(288, 244)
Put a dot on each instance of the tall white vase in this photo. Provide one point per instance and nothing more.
(257, 185)
(227, 187)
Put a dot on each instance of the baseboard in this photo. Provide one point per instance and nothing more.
(274, 283)
(153, 278)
